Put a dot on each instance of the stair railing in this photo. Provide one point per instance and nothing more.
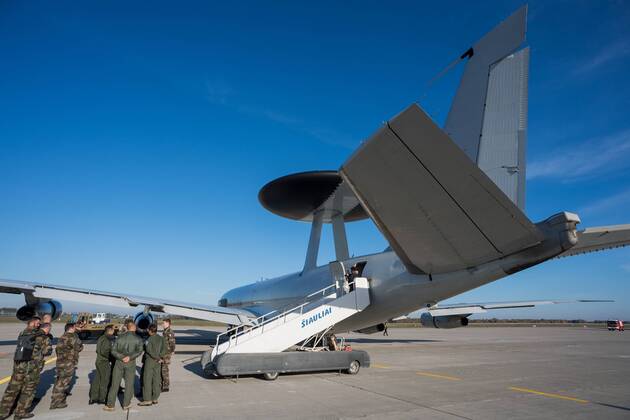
(260, 322)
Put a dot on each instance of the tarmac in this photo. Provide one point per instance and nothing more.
(465, 373)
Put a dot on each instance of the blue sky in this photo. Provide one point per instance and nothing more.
(134, 137)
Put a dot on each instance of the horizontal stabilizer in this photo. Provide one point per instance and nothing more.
(599, 239)
(436, 208)
(466, 309)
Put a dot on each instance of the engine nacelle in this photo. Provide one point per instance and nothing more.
(143, 320)
(373, 329)
(51, 307)
(445, 322)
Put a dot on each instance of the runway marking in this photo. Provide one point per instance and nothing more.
(8, 378)
(435, 375)
(547, 394)
(379, 366)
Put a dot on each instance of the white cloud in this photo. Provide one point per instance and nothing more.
(221, 93)
(590, 158)
(607, 54)
(614, 201)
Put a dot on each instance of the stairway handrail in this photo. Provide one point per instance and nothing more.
(261, 321)
(260, 324)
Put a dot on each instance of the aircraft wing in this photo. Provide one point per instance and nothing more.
(437, 209)
(599, 239)
(44, 291)
(478, 308)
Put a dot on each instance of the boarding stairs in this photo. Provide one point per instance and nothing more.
(277, 332)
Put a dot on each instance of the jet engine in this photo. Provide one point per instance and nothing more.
(143, 320)
(373, 329)
(51, 307)
(447, 321)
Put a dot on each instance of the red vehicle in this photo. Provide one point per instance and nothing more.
(615, 325)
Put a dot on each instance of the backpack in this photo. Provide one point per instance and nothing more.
(25, 347)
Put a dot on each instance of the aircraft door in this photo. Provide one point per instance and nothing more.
(338, 272)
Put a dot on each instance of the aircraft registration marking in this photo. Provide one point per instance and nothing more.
(435, 375)
(547, 394)
(8, 378)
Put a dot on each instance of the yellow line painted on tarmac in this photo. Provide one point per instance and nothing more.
(435, 375)
(8, 378)
(546, 394)
(379, 366)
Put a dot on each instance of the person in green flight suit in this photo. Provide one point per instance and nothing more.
(154, 352)
(100, 383)
(125, 350)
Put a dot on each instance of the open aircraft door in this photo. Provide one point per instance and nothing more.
(338, 272)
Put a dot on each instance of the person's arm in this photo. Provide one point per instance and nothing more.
(163, 348)
(116, 351)
(62, 345)
(152, 349)
(170, 340)
(39, 348)
(48, 347)
(102, 348)
(77, 344)
(137, 350)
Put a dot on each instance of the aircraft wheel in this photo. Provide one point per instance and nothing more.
(270, 376)
(210, 371)
(354, 367)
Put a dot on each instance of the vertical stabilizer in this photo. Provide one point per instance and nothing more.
(488, 117)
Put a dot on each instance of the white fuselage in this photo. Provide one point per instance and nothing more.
(393, 290)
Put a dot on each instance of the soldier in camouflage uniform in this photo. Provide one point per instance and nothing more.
(126, 349)
(47, 319)
(25, 377)
(100, 383)
(169, 336)
(48, 340)
(68, 348)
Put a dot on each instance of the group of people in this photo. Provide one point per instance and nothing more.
(115, 360)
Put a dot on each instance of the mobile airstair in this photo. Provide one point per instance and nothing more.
(261, 347)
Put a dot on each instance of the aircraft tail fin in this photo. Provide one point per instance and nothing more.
(488, 116)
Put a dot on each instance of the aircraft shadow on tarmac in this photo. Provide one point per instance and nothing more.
(367, 340)
(195, 336)
(195, 367)
(46, 381)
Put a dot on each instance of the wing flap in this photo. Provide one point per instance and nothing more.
(438, 210)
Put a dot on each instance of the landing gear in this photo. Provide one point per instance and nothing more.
(353, 368)
(210, 371)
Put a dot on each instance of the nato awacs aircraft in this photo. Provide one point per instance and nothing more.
(449, 200)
